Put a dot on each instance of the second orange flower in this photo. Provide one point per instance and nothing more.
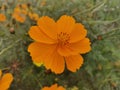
(59, 43)
(5, 80)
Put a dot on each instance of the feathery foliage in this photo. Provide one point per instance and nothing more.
(101, 69)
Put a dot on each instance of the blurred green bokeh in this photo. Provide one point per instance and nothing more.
(101, 69)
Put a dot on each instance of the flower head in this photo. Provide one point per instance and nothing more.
(58, 43)
(2, 17)
(54, 87)
(5, 80)
(33, 16)
(20, 13)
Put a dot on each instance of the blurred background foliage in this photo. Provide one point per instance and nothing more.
(101, 69)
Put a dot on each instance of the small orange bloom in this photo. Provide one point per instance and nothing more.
(3, 7)
(2, 17)
(59, 43)
(24, 6)
(43, 3)
(5, 80)
(33, 16)
(20, 13)
(54, 87)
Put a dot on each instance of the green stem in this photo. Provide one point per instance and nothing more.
(5, 49)
(7, 68)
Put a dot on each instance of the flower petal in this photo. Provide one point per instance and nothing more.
(2, 17)
(45, 88)
(34, 49)
(47, 54)
(53, 87)
(39, 51)
(48, 26)
(74, 62)
(6, 81)
(83, 46)
(0, 73)
(65, 24)
(55, 62)
(60, 88)
(36, 34)
(77, 33)
(66, 51)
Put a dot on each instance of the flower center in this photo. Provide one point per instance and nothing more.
(63, 38)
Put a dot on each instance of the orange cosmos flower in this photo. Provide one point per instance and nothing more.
(54, 87)
(59, 43)
(5, 81)
(2, 17)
